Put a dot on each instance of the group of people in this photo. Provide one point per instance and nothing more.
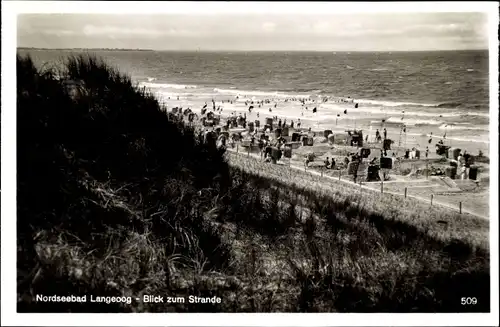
(330, 164)
(378, 137)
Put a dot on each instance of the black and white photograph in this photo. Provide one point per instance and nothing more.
(252, 158)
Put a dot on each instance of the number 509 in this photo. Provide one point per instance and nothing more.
(468, 300)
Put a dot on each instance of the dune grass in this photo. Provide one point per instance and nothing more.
(117, 198)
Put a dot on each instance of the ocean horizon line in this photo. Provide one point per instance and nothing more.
(255, 51)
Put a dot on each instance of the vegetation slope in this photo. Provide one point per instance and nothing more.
(117, 198)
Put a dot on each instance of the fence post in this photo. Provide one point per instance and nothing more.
(460, 206)
(248, 153)
(382, 186)
(237, 147)
(432, 197)
(406, 191)
(340, 173)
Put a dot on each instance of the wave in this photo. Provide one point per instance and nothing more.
(366, 105)
(470, 70)
(449, 105)
(405, 114)
(349, 67)
(168, 86)
(150, 79)
(274, 94)
(453, 138)
(404, 103)
(464, 126)
(381, 69)
(412, 121)
(393, 103)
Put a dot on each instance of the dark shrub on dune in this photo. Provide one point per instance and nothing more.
(96, 153)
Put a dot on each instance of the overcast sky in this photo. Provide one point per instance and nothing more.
(342, 32)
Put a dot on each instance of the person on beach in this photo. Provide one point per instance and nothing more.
(332, 164)
(346, 161)
(279, 123)
(461, 165)
(327, 163)
(291, 124)
(426, 152)
(298, 123)
(467, 164)
(355, 174)
(463, 172)
(385, 134)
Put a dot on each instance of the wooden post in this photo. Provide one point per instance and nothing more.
(406, 191)
(382, 186)
(340, 173)
(426, 169)
(237, 148)
(432, 197)
(248, 153)
(460, 206)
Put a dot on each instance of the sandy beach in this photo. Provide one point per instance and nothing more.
(339, 116)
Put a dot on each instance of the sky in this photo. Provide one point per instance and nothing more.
(257, 32)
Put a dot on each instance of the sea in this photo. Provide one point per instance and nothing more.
(419, 97)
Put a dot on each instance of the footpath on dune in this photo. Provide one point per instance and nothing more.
(364, 187)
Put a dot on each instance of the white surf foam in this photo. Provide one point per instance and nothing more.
(412, 121)
(168, 86)
(463, 126)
